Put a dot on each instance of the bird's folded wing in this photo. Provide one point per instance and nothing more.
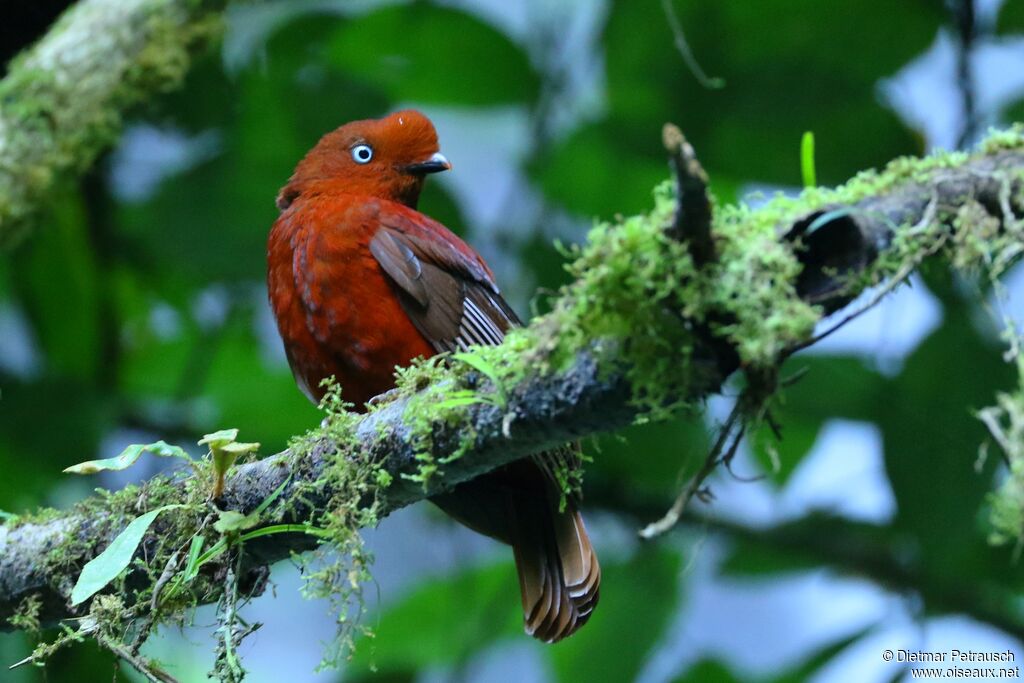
(446, 290)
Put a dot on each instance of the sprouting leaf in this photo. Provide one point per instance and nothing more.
(219, 439)
(225, 451)
(128, 457)
(8, 516)
(232, 520)
(807, 159)
(106, 566)
(237, 449)
(225, 456)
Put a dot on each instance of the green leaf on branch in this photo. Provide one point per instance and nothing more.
(483, 366)
(128, 457)
(106, 566)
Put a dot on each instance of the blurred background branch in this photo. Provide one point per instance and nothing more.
(63, 101)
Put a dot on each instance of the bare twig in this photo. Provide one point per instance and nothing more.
(683, 46)
(150, 671)
(730, 433)
(692, 220)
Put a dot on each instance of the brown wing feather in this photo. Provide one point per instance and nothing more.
(401, 265)
(452, 304)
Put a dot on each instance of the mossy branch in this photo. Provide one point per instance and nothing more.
(63, 100)
(627, 340)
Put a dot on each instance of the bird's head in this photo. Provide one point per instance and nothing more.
(387, 158)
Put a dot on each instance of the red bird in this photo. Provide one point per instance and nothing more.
(361, 282)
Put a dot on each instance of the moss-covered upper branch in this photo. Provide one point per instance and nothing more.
(642, 332)
(63, 100)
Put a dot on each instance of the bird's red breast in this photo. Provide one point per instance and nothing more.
(335, 308)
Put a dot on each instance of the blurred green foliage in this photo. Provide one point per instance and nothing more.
(148, 312)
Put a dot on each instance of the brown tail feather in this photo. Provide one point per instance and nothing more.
(559, 575)
(558, 581)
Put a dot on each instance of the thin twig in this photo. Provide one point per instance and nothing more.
(693, 487)
(149, 671)
(712, 83)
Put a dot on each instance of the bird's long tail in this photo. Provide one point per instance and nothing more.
(559, 575)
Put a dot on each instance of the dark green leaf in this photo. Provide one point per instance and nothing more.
(425, 66)
(55, 274)
(797, 76)
(649, 461)
(819, 659)
(1011, 17)
(709, 671)
(444, 620)
(595, 173)
(931, 437)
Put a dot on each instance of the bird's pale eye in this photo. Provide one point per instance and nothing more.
(361, 154)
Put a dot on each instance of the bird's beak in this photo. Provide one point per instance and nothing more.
(435, 164)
